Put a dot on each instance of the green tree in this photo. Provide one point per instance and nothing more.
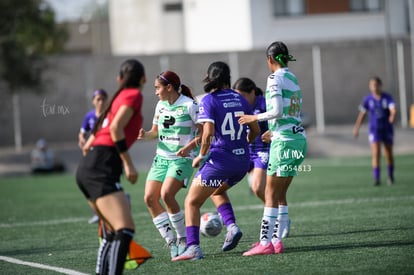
(28, 32)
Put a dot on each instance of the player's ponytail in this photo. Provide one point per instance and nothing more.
(279, 52)
(218, 77)
(131, 73)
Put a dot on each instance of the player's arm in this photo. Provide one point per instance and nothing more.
(393, 113)
(358, 123)
(206, 138)
(81, 139)
(148, 135)
(275, 112)
(116, 129)
(88, 144)
(185, 151)
(254, 131)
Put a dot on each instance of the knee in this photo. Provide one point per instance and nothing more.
(167, 196)
(151, 199)
(192, 202)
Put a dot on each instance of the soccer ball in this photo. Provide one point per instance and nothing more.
(210, 224)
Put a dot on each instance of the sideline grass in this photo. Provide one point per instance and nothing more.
(340, 224)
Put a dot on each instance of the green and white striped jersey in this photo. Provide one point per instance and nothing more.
(284, 83)
(176, 126)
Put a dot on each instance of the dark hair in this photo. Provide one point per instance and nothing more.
(218, 76)
(376, 79)
(280, 53)
(169, 77)
(131, 73)
(246, 85)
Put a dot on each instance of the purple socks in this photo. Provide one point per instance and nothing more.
(193, 235)
(376, 173)
(227, 214)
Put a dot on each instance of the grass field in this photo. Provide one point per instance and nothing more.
(341, 224)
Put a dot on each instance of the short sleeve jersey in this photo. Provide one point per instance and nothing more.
(258, 145)
(284, 83)
(88, 122)
(222, 108)
(132, 98)
(176, 126)
(378, 110)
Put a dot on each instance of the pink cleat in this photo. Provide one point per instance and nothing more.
(260, 250)
(278, 247)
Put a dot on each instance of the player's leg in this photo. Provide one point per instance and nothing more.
(169, 189)
(376, 154)
(258, 182)
(388, 152)
(223, 205)
(159, 216)
(196, 197)
(114, 208)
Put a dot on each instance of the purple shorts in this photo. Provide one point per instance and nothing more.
(259, 160)
(223, 168)
(386, 137)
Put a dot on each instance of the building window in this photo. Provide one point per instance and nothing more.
(173, 7)
(288, 7)
(366, 5)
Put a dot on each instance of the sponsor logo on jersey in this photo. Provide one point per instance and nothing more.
(164, 138)
(232, 104)
(238, 151)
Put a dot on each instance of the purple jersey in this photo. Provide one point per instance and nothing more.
(88, 122)
(223, 108)
(258, 145)
(379, 112)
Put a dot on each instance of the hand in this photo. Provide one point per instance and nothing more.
(81, 143)
(182, 152)
(391, 120)
(141, 134)
(356, 133)
(85, 150)
(267, 137)
(196, 161)
(246, 119)
(130, 173)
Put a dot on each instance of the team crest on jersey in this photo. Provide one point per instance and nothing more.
(105, 122)
(180, 111)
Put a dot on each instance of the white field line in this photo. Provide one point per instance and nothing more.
(42, 266)
(238, 208)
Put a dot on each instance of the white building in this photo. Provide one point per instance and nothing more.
(168, 26)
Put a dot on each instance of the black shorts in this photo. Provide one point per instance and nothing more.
(99, 172)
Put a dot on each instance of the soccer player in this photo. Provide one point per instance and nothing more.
(259, 149)
(225, 153)
(175, 126)
(287, 149)
(105, 154)
(99, 98)
(382, 111)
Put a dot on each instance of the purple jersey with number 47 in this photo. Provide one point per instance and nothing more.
(222, 108)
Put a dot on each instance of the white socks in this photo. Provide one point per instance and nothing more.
(268, 224)
(283, 219)
(178, 223)
(162, 223)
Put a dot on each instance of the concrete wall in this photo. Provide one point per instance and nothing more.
(71, 79)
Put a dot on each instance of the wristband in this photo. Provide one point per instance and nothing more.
(121, 146)
(202, 157)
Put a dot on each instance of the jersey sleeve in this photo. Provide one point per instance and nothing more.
(364, 106)
(206, 110)
(85, 125)
(133, 100)
(391, 102)
(274, 86)
(193, 111)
